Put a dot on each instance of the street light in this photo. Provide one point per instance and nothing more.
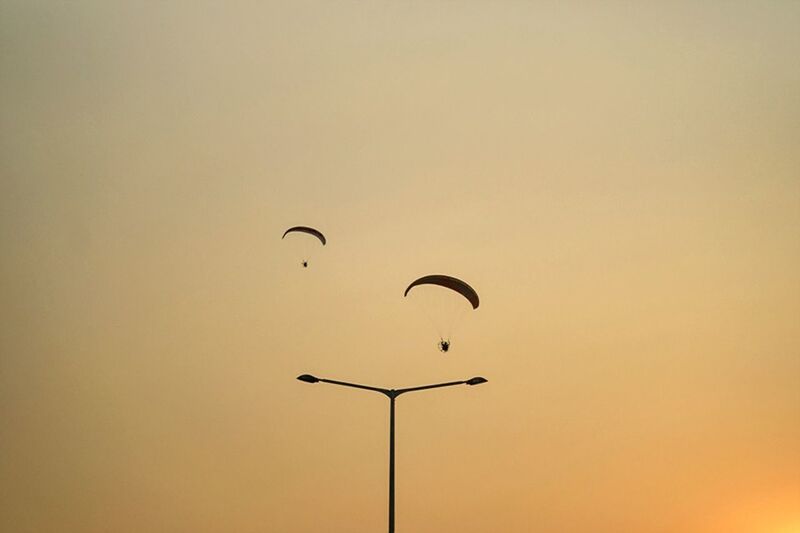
(392, 394)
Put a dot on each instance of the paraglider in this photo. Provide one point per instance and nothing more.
(444, 300)
(304, 238)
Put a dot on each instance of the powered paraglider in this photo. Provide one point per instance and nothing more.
(444, 300)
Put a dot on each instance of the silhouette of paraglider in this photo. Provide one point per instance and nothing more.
(305, 242)
(444, 307)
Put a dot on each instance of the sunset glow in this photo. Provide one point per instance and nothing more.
(619, 182)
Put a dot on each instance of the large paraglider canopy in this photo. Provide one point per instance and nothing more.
(444, 300)
(449, 282)
(305, 229)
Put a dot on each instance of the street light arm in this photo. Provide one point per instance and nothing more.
(387, 392)
(424, 387)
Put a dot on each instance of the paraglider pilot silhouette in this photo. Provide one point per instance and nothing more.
(304, 244)
(442, 298)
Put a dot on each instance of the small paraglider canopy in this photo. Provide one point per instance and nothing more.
(305, 229)
(451, 283)
(302, 240)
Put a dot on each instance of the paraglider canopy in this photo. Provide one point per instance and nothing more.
(451, 283)
(441, 298)
(305, 229)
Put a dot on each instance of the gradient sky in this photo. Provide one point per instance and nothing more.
(619, 181)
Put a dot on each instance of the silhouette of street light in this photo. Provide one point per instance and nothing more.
(392, 394)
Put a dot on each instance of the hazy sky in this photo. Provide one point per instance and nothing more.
(619, 181)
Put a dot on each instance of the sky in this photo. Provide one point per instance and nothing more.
(618, 181)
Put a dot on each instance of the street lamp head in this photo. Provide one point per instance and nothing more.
(308, 378)
(475, 381)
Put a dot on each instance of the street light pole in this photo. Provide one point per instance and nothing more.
(391, 463)
(392, 394)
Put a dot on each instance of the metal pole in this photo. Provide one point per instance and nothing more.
(392, 394)
(391, 462)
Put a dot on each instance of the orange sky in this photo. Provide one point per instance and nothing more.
(619, 183)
